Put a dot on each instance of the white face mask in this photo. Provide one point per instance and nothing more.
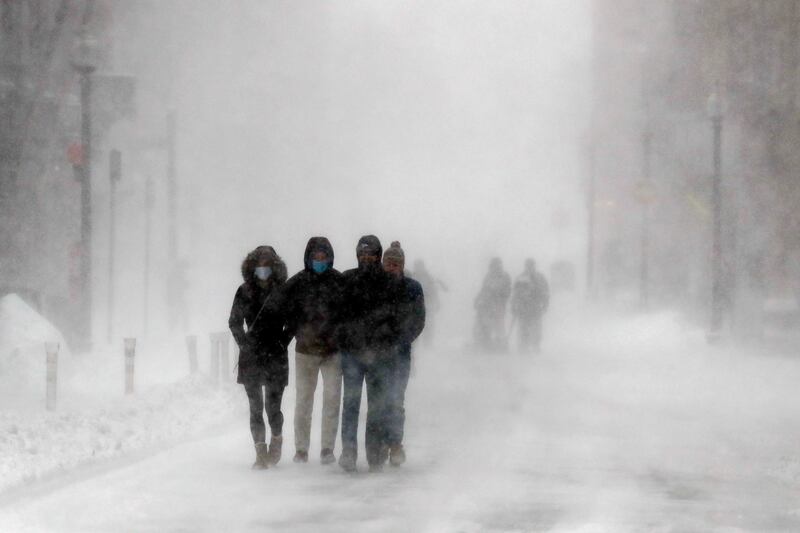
(263, 273)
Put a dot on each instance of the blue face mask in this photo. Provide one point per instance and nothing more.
(319, 266)
(263, 273)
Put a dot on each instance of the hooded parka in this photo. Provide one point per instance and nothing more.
(313, 302)
(263, 357)
(369, 322)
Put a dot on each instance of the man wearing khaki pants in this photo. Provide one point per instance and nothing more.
(313, 302)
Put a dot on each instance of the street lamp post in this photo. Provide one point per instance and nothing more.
(84, 66)
(715, 114)
(114, 174)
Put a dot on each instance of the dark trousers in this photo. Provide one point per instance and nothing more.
(265, 397)
(375, 370)
(397, 397)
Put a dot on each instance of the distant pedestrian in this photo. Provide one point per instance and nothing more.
(409, 310)
(368, 335)
(433, 303)
(313, 303)
(490, 308)
(529, 302)
(263, 359)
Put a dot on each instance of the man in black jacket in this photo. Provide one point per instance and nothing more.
(313, 299)
(368, 334)
(263, 359)
(409, 310)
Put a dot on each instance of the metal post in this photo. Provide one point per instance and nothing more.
(85, 170)
(224, 342)
(191, 346)
(51, 348)
(213, 370)
(114, 174)
(716, 247)
(130, 353)
(147, 227)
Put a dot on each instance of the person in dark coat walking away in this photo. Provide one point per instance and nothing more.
(263, 359)
(490, 307)
(410, 315)
(368, 335)
(313, 299)
(529, 302)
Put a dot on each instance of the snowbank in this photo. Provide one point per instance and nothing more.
(23, 334)
(34, 445)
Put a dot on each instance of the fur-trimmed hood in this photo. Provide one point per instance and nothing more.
(279, 273)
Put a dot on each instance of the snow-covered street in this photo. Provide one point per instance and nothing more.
(622, 424)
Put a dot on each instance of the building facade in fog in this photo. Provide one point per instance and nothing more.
(656, 64)
(40, 141)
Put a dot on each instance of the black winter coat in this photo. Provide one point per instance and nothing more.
(369, 319)
(409, 313)
(313, 304)
(263, 357)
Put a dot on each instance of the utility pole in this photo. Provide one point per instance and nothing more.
(114, 174)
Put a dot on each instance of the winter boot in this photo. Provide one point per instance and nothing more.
(326, 457)
(376, 457)
(347, 460)
(275, 445)
(301, 456)
(262, 457)
(397, 455)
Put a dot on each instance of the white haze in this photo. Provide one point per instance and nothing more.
(452, 127)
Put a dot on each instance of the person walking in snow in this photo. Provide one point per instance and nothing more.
(490, 307)
(263, 359)
(313, 299)
(368, 335)
(431, 286)
(529, 302)
(409, 311)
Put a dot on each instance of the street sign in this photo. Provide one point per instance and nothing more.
(76, 155)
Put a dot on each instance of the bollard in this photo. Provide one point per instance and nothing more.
(213, 370)
(130, 353)
(191, 346)
(51, 348)
(224, 353)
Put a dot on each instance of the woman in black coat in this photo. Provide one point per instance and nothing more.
(263, 358)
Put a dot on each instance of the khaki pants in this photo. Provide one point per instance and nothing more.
(307, 368)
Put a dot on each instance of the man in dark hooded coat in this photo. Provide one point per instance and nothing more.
(263, 359)
(368, 334)
(313, 299)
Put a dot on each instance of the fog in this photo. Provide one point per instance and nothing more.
(454, 130)
(642, 153)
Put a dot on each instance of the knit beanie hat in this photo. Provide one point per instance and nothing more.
(395, 252)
